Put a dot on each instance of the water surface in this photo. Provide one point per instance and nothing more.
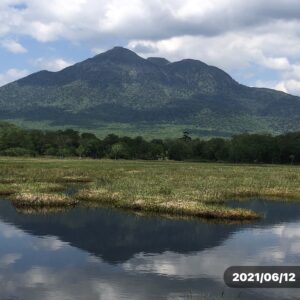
(108, 254)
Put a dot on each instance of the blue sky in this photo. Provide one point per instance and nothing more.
(258, 43)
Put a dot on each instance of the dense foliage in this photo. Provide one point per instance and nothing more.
(118, 86)
(246, 148)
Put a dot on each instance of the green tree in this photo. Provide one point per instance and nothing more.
(180, 150)
(119, 150)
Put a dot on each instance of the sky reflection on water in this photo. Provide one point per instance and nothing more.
(106, 254)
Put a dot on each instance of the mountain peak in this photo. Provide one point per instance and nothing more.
(119, 54)
(159, 61)
(120, 51)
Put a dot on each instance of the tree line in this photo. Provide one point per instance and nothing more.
(242, 148)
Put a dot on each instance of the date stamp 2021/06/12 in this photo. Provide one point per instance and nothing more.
(263, 277)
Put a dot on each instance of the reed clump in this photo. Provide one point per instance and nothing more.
(42, 200)
(6, 190)
(101, 195)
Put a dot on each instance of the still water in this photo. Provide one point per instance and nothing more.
(102, 253)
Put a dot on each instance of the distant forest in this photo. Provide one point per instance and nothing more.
(243, 148)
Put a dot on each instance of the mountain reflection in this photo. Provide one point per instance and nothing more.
(117, 236)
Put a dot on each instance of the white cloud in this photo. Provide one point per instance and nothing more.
(110, 292)
(51, 64)
(285, 85)
(12, 75)
(290, 76)
(277, 63)
(9, 259)
(231, 34)
(97, 50)
(49, 243)
(38, 276)
(289, 86)
(13, 46)
(9, 232)
(81, 19)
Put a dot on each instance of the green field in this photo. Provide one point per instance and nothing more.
(148, 131)
(167, 187)
(214, 126)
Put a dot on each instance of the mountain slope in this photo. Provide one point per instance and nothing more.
(119, 86)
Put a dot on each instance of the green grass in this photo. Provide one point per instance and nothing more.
(148, 131)
(6, 189)
(207, 130)
(172, 188)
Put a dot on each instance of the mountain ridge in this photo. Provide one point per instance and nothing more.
(118, 86)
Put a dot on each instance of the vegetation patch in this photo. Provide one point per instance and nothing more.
(76, 179)
(184, 189)
(41, 187)
(102, 195)
(6, 190)
(42, 200)
(7, 180)
(159, 205)
(192, 209)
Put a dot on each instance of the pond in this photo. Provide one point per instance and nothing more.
(101, 253)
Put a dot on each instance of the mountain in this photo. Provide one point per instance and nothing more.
(119, 90)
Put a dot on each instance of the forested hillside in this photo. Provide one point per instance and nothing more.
(119, 87)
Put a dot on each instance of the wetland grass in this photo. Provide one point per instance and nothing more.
(6, 190)
(42, 200)
(76, 179)
(166, 187)
(162, 206)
